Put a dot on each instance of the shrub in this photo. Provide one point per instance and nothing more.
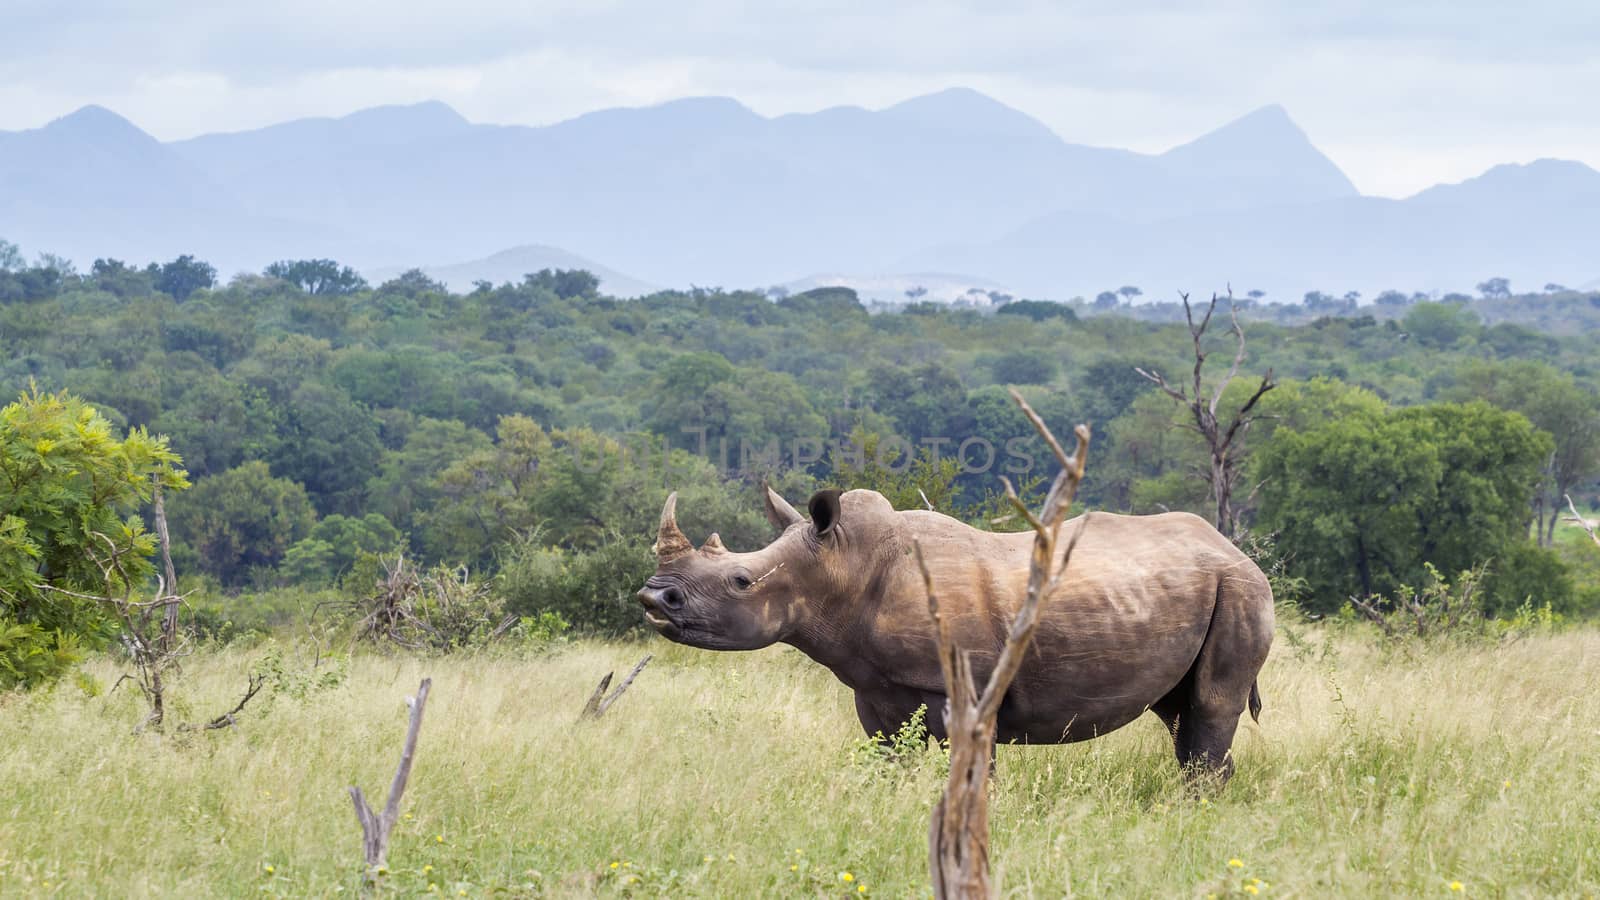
(1526, 574)
(591, 589)
(71, 489)
(1439, 608)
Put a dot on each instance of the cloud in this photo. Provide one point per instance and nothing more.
(1401, 93)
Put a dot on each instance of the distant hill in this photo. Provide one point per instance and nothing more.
(511, 265)
(706, 191)
(1531, 223)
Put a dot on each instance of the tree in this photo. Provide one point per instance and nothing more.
(1220, 436)
(1129, 292)
(241, 520)
(1392, 298)
(11, 259)
(1362, 502)
(1495, 287)
(1025, 367)
(70, 493)
(117, 277)
(329, 444)
(1440, 324)
(333, 546)
(1556, 404)
(406, 481)
(564, 283)
(1038, 310)
(317, 276)
(1105, 300)
(183, 276)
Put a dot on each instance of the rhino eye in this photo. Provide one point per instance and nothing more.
(741, 582)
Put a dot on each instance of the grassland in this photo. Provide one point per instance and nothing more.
(1373, 773)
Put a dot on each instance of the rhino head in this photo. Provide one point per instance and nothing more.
(716, 599)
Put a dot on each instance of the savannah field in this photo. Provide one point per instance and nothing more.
(1457, 768)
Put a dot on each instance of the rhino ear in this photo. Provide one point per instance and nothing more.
(779, 512)
(825, 511)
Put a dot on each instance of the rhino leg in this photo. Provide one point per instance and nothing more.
(1203, 711)
(1202, 739)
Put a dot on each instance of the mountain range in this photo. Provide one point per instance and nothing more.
(705, 191)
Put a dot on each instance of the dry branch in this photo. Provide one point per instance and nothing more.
(375, 827)
(596, 707)
(1582, 522)
(227, 719)
(958, 835)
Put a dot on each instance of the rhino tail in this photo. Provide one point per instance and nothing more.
(1255, 703)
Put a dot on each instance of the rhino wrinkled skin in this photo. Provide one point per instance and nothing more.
(1158, 613)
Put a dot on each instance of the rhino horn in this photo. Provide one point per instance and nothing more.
(779, 512)
(670, 542)
(713, 544)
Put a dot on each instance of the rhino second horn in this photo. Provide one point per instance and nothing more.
(713, 544)
(670, 541)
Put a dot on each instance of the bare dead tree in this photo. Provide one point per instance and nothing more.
(958, 835)
(154, 646)
(1582, 522)
(596, 707)
(169, 619)
(376, 827)
(1221, 437)
(148, 649)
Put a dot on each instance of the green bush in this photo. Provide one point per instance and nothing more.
(68, 507)
(1526, 574)
(593, 589)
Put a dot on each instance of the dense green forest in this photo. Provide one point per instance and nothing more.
(530, 431)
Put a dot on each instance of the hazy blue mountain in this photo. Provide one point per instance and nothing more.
(92, 184)
(706, 191)
(510, 265)
(1532, 223)
(1262, 159)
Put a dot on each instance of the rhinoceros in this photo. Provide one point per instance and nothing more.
(1158, 613)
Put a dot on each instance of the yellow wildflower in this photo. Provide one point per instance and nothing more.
(269, 868)
(615, 864)
(1235, 863)
(427, 868)
(794, 868)
(1457, 886)
(438, 839)
(1251, 889)
(708, 859)
(861, 889)
(846, 876)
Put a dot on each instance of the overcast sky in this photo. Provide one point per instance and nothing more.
(1400, 93)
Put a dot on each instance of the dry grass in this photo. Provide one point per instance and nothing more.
(738, 775)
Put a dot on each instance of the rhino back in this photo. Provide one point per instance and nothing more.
(1123, 627)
